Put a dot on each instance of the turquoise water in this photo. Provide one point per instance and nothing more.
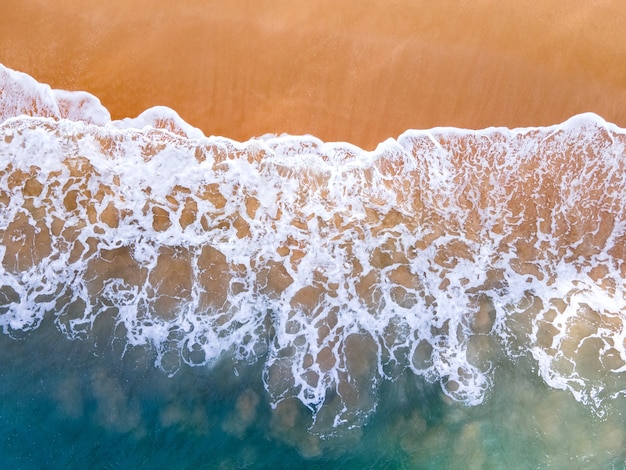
(69, 403)
(79, 403)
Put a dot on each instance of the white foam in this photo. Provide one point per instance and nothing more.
(20, 94)
(160, 117)
(418, 247)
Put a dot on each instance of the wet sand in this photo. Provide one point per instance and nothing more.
(358, 71)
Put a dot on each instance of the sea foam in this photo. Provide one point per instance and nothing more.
(336, 267)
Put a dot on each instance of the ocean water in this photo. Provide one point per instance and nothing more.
(452, 299)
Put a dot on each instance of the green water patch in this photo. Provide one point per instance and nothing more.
(67, 403)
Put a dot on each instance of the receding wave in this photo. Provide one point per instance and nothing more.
(336, 267)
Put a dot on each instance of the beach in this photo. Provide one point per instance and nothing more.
(358, 72)
(309, 235)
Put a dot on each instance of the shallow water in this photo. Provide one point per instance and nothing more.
(66, 403)
(453, 299)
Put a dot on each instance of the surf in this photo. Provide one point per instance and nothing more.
(336, 268)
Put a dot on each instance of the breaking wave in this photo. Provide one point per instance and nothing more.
(336, 267)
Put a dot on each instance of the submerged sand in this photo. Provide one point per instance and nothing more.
(357, 71)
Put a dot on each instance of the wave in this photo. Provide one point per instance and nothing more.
(336, 267)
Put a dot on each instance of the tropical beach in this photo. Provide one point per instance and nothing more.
(357, 72)
(309, 235)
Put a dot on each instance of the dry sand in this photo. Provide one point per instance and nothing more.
(356, 70)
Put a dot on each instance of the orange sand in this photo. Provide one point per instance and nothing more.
(356, 70)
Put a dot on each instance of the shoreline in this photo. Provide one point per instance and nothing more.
(358, 73)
